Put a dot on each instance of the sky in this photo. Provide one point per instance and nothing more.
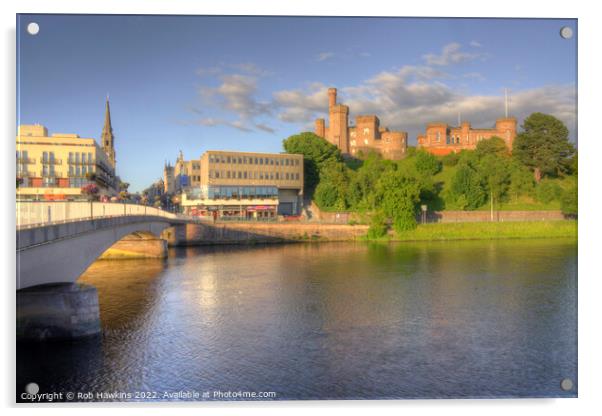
(197, 83)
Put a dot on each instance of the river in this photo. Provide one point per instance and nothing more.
(327, 321)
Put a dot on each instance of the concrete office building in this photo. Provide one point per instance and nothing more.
(246, 185)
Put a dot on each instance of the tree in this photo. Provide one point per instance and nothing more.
(378, 225)
(467, 189)
(493, 146)
(521, 180)
(397, 195)
(331, 191)
(316, 151)
(543, 146)
(123, 186)
(569, 200)
(426, 163)
(548, 191)
(494, 171)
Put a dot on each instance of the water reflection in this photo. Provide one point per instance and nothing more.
(339, 320)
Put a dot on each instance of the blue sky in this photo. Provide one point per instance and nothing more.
(197, 83)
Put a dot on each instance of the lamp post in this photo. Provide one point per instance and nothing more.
(423, 209)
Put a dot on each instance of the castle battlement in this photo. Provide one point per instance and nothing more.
(442, 139)
(367, 135)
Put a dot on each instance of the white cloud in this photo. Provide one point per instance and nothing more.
(323, 56)
(475, 44)
(451, 54)
(407, 100)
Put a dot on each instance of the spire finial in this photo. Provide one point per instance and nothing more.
(506, 101)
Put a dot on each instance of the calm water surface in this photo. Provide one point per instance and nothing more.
(329, 321)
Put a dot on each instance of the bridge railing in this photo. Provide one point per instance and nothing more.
(34, 213)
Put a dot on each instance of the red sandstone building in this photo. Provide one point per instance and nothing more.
(442, 139)
(367, 134)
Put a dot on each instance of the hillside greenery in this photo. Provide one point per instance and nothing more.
(539, 174)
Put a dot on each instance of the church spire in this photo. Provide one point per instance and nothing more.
(108, 140)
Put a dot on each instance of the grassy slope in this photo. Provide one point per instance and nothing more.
(522, 204)
(488, 231)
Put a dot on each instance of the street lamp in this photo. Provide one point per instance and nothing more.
(423, 208)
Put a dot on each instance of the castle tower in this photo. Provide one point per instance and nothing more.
(338, 122)
(107, 138)
(320, 128)
(332, 98)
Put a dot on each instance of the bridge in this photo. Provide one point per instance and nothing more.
(56, 243)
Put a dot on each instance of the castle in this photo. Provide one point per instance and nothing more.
(367, 134)
(441, 139)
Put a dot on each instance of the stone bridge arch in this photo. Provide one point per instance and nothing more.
(61, 253)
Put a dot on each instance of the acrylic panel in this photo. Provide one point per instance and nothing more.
(217, 208)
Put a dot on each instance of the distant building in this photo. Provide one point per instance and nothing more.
(366, 136)
(184, 174)
(55, 167)
(442, 139)
(248, 185)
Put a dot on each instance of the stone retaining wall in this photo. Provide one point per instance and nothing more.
(485, 216)
(250, 233)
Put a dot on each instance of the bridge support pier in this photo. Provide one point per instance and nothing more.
(63, 311)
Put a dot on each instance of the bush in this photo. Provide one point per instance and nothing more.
(405, 220)
(548, 191)
(450, 159)
(378, 226)
(569, 201)
(426, 163)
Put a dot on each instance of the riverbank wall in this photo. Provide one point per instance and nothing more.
(450, 216)
(260, 233)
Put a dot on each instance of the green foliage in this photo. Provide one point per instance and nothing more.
(493, 146)
(331, 192)
(543, 146)
(426, 163)
(521, 181)
(397, 194)
(495, 175)
(316, 152)
(466, 190)
(378, 226)
(568, 199)
(548, 191)
(450, 159)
